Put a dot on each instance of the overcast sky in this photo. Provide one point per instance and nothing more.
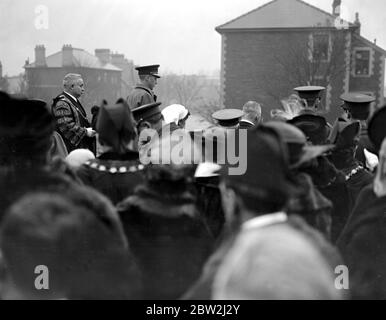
(178, 34)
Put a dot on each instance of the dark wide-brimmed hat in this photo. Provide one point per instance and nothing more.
(314, 126)
(377, 128)
(267, 170)
(26, 127)
(115, 125)
(300, 151)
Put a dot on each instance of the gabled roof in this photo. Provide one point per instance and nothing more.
(279, 14)
(81, 58)
(370, 44)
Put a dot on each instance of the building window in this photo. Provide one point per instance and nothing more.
(362, 62)
(320, 47)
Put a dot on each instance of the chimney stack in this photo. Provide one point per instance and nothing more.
(117, 59)
(357, 23)
(336, 8)
(103, 55)
(67, 55)
(40, 56)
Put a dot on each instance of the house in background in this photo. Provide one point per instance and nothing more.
(107, 76)
(288, 43)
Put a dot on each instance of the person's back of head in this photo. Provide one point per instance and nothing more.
(252, 112)
(265, 186)
(274, 263)
(26, 128)
(76, 238)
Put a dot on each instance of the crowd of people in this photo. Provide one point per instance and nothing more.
(77, 199)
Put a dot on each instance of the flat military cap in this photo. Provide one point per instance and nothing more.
(357, 104)
(310, 93)
(228, 118)
(146, 111)
(151, 70)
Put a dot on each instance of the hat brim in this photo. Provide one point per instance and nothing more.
(312, 152)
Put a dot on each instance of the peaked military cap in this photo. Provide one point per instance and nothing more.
(146, 111)
(151, 70)
(228, 117)
(357, 104)
(310, 93)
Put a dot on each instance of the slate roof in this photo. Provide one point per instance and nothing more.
(81, 58)
(279, 14)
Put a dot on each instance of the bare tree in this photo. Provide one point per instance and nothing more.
(306, 62)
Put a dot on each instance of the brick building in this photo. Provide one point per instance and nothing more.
(286, 43)
(106, 75)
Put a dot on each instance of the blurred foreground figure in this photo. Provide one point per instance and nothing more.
(257, 201)
(272, 261)
(26, 129)
(71, 118)
(117, 171)
(166, 232)
(363, 240)
(79, 242)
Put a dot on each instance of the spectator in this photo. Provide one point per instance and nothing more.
(117, 171)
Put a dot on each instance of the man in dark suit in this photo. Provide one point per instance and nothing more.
(252, 115)
(142, 93)
(70, 116)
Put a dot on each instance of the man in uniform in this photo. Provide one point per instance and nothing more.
(312, 94)
(143, 92)
(357, 106)
(71, 118)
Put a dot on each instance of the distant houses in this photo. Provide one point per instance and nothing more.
(106, 75)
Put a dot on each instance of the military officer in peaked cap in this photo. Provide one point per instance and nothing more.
(228, 118)
(312, 94)
(357, 107)
(142, 93)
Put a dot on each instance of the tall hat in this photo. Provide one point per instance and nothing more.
(26, 128)
(299, 150)
(228, 118)
(146, 111)
(151, 70)
(357, 104)
(314, 126)
(115, 125)
(310, 94)
(377, 128)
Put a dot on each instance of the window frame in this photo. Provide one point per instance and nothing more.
(312, 46)
(371, 61)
